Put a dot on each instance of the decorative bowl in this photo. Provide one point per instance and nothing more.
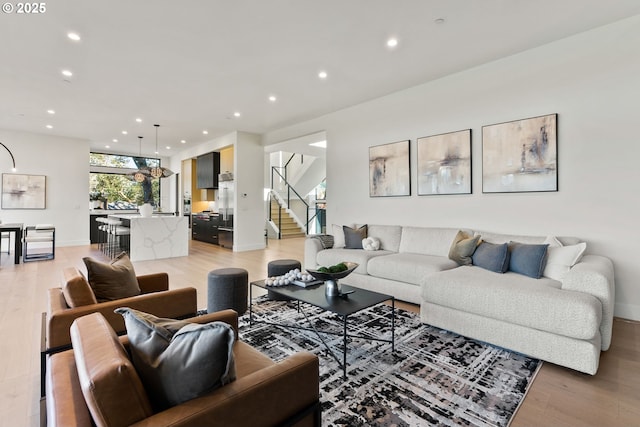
(332, 287)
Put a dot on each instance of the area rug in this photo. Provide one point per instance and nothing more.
(435, 377)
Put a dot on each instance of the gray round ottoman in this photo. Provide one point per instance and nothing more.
(227, 288)
(278, 268)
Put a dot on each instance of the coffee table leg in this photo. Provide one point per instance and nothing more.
(344, 355)
(393, 325)
(250, 304)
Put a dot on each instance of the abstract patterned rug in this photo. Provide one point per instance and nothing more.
(435, 377)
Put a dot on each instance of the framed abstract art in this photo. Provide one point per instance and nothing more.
(389, 170)
(520, 156)
(444, 163)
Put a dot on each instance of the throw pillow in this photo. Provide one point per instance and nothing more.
(463, 247)
(178, 360)
(529, 260)
(76, 289)
(560, 259)
(371, 244)
(492, 256)
(112, 281)
(353, 236)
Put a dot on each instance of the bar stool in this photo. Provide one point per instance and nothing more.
(122, 240)
(102, 232)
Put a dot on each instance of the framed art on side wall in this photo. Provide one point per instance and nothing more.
(389, 170)
(520, 156)
(444, 163)
(23, 191)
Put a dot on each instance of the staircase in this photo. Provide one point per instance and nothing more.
(289, 227)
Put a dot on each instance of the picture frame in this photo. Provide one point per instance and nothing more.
(444, 163)
(21, 191)
(390, 170)
(520, 155)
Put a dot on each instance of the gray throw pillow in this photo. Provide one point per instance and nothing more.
(492, 256)
(529, 260)
(463, 247)
(112, 281)
(353, 236)
(179, 360)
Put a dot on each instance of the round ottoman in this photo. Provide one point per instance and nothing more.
(227, 288)
(278, 268)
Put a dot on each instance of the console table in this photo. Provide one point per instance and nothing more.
(16, 229)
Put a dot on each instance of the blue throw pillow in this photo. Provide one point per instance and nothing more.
(491, 256)
(529, 260)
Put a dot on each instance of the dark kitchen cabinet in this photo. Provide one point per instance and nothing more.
(205, 228)
(207, 170)
(94, 233)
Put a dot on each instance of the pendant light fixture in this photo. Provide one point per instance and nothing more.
(159, 172)
(141, 174)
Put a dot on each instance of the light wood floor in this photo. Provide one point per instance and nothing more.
(558, 397)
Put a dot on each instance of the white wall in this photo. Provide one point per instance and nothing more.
(591, 80)
(65, 163)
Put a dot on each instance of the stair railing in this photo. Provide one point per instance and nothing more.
(290, 189)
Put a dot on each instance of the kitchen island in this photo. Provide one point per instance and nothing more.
(157, 236)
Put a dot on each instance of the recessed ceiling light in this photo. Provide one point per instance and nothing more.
(273, 98)
(392, 42)
(74, 36)
(205, 132)
(51, 111)
(182, 141)
(323, 75)
(114, 140)
(49, 127)
(67, 73)
(236, 114)
(168, 147)
(124, 132)
(139, 120)
(107, 146)
(439, 20)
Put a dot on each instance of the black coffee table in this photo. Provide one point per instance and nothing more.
(342, 306)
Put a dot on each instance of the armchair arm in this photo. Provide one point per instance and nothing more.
(176, 303)
(226, 316)
(594, 275)
(153, 282)
(267, 397)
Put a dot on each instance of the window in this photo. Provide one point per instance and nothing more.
(111, 181)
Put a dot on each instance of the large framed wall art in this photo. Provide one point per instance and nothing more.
(389, 170)
(444, 163)
(23, 191)
(520, 156)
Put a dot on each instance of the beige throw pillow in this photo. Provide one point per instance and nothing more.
(112, 281)
(463, 247)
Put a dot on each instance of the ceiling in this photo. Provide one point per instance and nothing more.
(190, 65)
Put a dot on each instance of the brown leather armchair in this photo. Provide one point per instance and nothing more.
(265, 393)
(155, 298)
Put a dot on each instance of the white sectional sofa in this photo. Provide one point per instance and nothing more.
(565, 319)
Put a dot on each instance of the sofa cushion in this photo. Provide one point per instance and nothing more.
(408, 267)
(463, 247)
(561, 258)
(112, 281)
(518, 299)
(427, 240)
(492, 256)
(329, 257)
(179, 360)
(527, 259)
(389, 236)
(110, 384)
(500, 238)
(353, 236)
(76, 289)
